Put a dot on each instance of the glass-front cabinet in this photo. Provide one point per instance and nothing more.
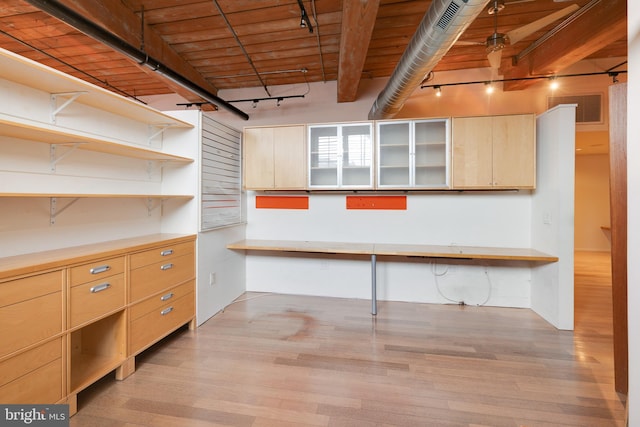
(341, 156)
(413, 154)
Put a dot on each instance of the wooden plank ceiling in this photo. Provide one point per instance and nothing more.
(351, 40)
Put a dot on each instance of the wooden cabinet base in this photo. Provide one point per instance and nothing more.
(127, 368)
(71, 317)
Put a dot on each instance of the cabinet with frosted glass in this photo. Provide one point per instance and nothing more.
(341, 156)
(413, 154)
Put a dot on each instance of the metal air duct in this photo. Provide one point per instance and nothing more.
(82, 24)
(440, 28)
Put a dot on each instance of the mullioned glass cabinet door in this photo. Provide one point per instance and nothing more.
(340, 156)
(413, 154)
(431, 153)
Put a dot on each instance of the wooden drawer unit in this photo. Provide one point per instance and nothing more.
(156, 277)
(153, 319)
(31, 310)
(91, 300)
(65, 317)
(35, 376)
(96, 270)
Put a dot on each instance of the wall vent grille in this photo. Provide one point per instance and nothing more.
(589, 109)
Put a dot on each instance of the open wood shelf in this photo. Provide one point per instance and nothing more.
(29, 73)
(18, 127)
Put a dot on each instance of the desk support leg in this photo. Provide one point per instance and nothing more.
(374, 302)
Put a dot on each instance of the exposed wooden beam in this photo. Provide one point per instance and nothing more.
(358, 20)
(117, 18)
(604, 23)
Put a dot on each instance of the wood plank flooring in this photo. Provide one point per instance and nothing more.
(282, 360)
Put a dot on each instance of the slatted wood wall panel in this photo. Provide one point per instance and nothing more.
(221, 179)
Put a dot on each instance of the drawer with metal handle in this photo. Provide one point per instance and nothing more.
(162, 254)
(92, 300)
(156, 277)
(161, 321)
(159, 301)
(96, 270)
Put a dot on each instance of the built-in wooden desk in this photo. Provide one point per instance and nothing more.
(390, 249)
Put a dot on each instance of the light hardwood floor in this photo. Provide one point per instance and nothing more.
(279, 360)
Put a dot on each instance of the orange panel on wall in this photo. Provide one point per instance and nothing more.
(282, 202)
(377, 202)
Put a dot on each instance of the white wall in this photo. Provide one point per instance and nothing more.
(552, 226)
(633, 224)
(592, 203)
(471, 219)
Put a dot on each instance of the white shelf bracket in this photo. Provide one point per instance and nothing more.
(54, 211)
(151, 206)
(55, 109)
(155, 130)
(54, 158)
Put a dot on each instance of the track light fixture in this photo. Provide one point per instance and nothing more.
(553, 79)
(305, 22)
(438, 90)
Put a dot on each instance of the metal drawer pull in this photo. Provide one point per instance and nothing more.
(98, 288)
(166, 297)
(101, 269)
(167, 252)
(166, 266)
(166, 311)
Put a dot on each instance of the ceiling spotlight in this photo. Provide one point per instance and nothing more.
(254, 104)
(489, 88)
(438, 90)
(304, 18)
(278, 101)
(554, 84)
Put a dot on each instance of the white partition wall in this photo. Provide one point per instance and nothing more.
(552, 207)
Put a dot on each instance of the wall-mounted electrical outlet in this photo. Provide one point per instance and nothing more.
(212, 279)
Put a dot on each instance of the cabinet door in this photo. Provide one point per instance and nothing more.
(431, 153)
(323, 156)
(356, 164)
(258, 158)
(289, 159)
(394, 154)
(472, 152)
(514, 151)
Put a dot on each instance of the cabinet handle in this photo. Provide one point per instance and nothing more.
(166, 297)
(99, 288)
(166, 267)
(166, 252)
(101, 269)
(166, 311)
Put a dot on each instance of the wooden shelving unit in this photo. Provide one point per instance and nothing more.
(24, 71)
(71, 116)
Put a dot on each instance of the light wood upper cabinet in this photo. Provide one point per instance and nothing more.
(275, 158)
(494, 152)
